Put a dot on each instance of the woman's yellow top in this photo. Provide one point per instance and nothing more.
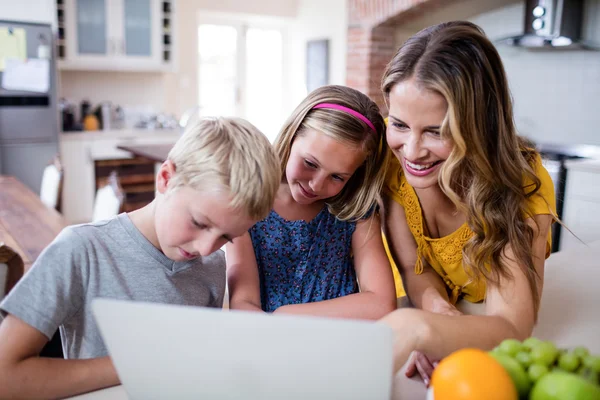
(445, 254)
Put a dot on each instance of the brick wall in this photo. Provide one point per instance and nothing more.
(371, 26)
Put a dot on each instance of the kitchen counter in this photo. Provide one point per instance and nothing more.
(568, 314)
(125, 134)
(583, 165)
(569, 150)
(154, 152)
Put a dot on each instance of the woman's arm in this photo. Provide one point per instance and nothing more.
(377, 295)
(25, 375)
(509, 311)
(242, 275)
(426, 290)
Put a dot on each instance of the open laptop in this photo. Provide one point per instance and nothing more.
(179, 352)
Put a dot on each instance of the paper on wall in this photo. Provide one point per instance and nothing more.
(32, 75)
(13, 44)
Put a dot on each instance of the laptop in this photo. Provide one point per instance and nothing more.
(180, 352)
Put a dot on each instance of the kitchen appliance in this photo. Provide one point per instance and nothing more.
(551, 24)
(29, 122)
(554, 157)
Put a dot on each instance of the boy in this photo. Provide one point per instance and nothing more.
(219, 179)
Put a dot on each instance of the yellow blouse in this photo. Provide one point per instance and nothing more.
(445, 254)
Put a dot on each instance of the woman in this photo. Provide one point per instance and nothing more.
(468, 205)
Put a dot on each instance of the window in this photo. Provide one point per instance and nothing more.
(240, 73)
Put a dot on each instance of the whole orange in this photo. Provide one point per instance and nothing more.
(471, 374)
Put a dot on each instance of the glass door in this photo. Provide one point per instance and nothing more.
(92, 27)
(137, 17)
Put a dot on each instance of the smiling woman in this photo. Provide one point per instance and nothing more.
(468, 205)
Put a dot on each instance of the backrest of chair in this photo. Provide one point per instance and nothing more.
(50, 191)
(109, 199)
(11, 269)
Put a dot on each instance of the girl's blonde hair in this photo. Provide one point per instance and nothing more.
(230, 154)
(484, 174)
(361, 193)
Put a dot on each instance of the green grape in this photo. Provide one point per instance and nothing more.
(517, 373)
(568, 362)
(510, 347)
(536, 371)
(531, 342)
(581, 352)
(588, 374)
(544, 353)
(593, 362)
(524, 358)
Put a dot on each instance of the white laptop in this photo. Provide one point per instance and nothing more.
(178, 352)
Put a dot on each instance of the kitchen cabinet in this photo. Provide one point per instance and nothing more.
(81, 155)
(581, 212)
(130, 35)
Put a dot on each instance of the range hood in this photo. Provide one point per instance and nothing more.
(551, 24)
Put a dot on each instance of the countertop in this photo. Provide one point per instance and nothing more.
(568, 314)
(125, 134)
(590, 165)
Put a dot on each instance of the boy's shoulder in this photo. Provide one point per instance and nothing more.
(81, 235)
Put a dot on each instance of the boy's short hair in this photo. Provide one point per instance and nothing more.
(232, 154)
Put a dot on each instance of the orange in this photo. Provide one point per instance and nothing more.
(471, 374)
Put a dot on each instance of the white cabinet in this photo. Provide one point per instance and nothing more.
(117, 35)
(78, 153)
(581, 212)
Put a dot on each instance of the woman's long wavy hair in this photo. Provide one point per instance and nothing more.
(484, 174)
(361, 193)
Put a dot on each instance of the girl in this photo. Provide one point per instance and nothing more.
(322, 234)
(468, 205)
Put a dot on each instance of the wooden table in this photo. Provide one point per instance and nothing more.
(26, 224)
(154, 152)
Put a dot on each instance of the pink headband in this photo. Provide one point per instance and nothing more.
(348, 111)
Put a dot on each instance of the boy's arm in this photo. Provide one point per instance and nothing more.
(242, 275)
(49, 294)
(23, 374)
(377, 295)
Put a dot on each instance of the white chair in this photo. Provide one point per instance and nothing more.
(50, 191)
(11, 269)
(109, 199)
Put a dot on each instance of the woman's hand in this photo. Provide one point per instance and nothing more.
(418, 361)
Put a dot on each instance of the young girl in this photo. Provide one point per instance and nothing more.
(322, 234)
(468, 205)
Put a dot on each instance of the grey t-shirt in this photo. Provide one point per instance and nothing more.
(106, 259)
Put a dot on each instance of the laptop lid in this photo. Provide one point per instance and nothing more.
(179, 352)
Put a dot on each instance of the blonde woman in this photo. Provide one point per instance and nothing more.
(468, 205)
(322, 234)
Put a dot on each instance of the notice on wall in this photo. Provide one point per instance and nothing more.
(13, 45)
(32, 75)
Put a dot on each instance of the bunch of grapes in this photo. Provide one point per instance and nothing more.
(535, 361)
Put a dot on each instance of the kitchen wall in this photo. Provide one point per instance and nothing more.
(317, 19)
(555, 92)
(141, 90)
(174, 93)
(303, 19)
(41, 11)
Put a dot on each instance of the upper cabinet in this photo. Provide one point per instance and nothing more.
(131, 35)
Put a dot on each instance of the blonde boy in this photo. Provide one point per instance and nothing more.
(219, 179)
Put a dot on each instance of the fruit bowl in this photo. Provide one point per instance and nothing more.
(538, 370)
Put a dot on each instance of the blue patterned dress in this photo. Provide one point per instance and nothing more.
(303, 262)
